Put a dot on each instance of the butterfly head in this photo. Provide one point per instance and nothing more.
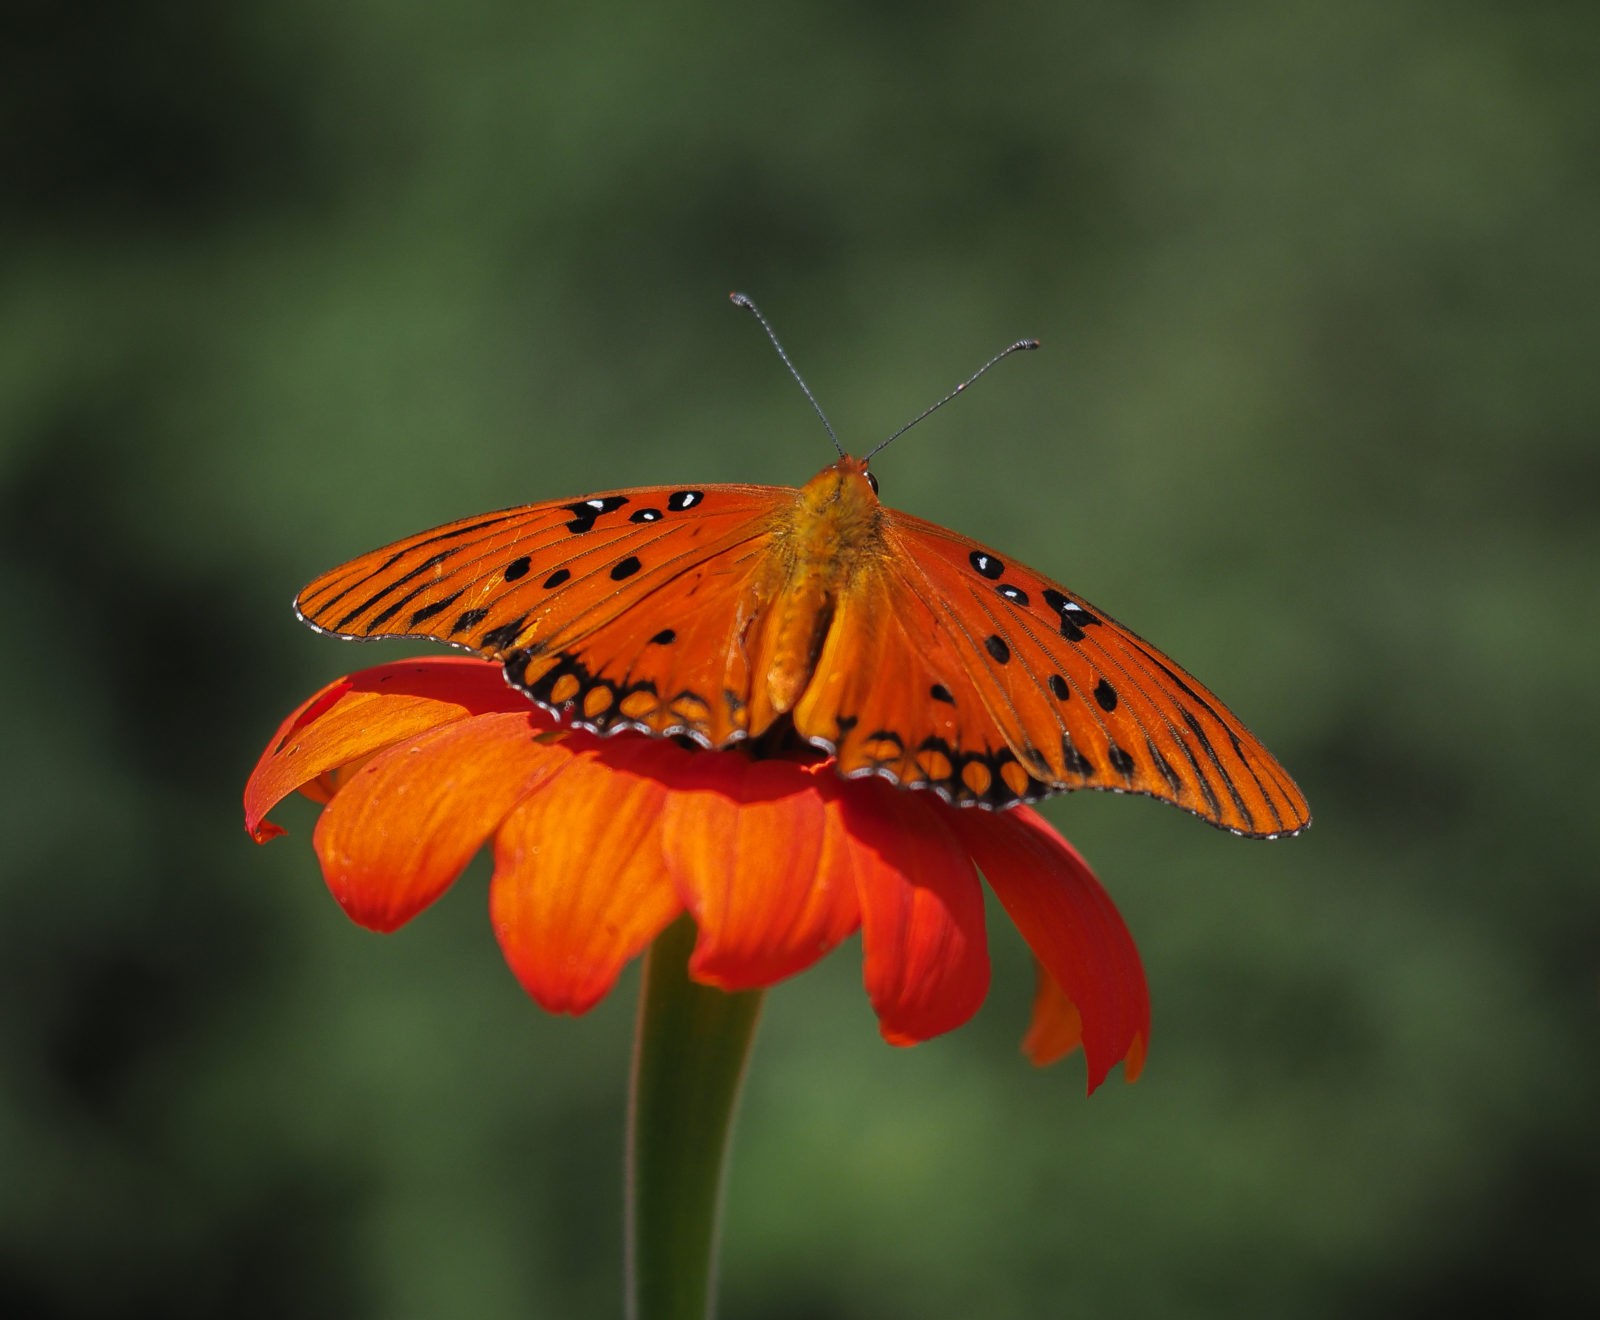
(848, 483)
(855, 469)
(837, 508)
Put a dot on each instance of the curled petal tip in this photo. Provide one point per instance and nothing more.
(264, 831)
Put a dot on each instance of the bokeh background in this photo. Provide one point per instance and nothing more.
(1317, 412)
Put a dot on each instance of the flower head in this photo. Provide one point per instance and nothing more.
(600, 843)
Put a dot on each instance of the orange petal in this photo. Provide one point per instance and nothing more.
(408, 822)
(361, 713)
(922, 929)
(1056, 1028)
(762, 864)
(579, 884)
(1073, 928)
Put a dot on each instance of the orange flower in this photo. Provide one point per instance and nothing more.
(600, 843)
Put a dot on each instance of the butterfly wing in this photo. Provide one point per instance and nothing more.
(948, 668)
(937, 664)
(623, 609)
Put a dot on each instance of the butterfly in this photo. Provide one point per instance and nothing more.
(730, 614)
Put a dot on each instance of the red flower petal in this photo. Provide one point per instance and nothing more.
(355, 716)
(922, 926)
(407, 823)
(580, 887)
(599, 845)
(762, 865)
(1073, 928)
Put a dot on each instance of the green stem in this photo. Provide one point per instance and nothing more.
(688, 1062)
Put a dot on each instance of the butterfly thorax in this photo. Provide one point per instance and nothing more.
(822, 543)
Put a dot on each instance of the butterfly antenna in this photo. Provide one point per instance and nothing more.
(740, 300)
(1021, 346)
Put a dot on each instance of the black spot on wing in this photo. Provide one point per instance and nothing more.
(578, 685)
(468, 619)
(996, 646)
(987, 565)
(557, 578)
(1073, 617)
(517, 568)
(585, 513)
(497, 639)
(1076, 762)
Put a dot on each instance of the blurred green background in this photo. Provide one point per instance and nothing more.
(1317, 412)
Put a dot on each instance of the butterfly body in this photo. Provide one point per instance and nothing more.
(903, 648)
(823, 541)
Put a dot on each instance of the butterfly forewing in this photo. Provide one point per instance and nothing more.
(1082, 701)
(536, 586)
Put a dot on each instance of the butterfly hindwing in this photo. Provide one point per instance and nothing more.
(676, 663)
(892, 697)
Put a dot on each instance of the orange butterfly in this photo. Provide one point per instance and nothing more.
(727, 613)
